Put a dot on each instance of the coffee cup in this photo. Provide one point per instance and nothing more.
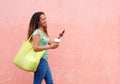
(56, 40)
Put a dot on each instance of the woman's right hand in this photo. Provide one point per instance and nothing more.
(54, 45)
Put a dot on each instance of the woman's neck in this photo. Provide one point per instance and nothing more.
(41, 28)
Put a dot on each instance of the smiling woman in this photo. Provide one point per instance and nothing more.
(38, 30)
(89, 53)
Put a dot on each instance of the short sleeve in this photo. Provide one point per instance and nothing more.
(36, 32)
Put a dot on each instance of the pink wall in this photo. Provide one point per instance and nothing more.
(89, 52)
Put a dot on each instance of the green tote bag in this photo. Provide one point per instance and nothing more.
(26, 58)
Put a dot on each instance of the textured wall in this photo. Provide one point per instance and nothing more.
(89, 52)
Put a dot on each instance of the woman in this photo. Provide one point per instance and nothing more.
(38, 30)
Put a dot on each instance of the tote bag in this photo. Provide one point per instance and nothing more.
(26, 58)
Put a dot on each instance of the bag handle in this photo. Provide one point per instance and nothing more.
(30, 37)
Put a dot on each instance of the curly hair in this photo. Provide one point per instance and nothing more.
(34, 23)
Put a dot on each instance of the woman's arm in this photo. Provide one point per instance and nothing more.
(37, 47)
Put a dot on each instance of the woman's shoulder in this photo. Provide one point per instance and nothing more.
(36, 31)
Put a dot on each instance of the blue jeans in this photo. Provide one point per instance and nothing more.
(43, 72)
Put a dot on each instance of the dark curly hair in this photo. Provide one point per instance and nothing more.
(34, 23)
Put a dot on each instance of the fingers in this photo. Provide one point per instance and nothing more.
(55, 45)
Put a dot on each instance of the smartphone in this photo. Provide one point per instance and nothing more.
(61, 34)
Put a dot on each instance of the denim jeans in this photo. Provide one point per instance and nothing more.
(43, 72)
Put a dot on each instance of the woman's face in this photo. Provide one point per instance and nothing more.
(43, 21)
